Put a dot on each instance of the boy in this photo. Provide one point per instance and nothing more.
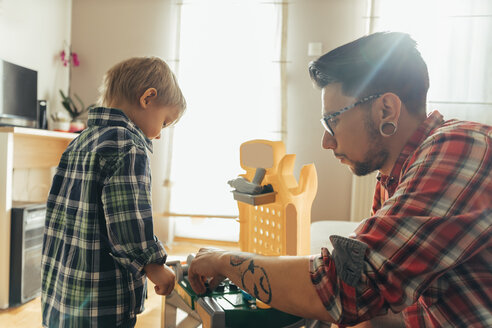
(99, 244)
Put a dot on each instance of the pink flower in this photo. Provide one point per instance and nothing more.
(72, 58)
(75, 59)
(63, 58)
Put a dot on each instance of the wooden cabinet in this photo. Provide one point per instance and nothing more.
(22, 148)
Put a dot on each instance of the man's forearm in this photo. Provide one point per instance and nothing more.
(282, 282)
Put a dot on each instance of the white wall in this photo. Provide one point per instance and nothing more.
(105, 32)
(32, 34)
(332, 22)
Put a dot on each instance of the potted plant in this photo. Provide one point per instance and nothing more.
(60, 122)
(75, 111)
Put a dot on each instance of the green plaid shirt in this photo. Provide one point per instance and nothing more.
(98, 232)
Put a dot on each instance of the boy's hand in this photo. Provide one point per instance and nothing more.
(162, 276)
(168, 281)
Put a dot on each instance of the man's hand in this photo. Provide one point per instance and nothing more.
(162, 276)
(206, 267)
(283, 282)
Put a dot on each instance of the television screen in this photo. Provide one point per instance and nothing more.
(18, 95)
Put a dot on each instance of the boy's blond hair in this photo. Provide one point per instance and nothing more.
(128, 80)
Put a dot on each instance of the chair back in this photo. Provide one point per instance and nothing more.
(281, 227)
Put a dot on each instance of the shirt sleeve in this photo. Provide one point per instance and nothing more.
(438, 218)
(126, 199)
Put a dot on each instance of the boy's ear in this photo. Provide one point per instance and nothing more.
(147, 97)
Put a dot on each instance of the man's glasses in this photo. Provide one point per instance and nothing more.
(325, 121)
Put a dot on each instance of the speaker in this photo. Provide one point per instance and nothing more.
(26, 242)
(42, 113)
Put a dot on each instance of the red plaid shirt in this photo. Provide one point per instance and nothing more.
(427, 249)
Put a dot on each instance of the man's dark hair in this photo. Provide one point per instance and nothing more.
(377, 63)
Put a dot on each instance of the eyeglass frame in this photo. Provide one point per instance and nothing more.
(326, 118)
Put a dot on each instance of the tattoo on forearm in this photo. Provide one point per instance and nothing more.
(237, 260)
(255, 281)
(254, 278)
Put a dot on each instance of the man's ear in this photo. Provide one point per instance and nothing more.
(147, 97)
(390, 108)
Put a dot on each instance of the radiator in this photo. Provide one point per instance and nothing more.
(362, 195)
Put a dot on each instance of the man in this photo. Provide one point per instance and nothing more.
(427, 250)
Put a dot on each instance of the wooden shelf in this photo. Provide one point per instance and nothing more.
(22, 148)
(38, 132)
(35, 148)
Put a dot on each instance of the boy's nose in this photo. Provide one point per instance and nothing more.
(328, 141)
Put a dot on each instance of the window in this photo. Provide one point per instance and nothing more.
(455, 39)
(230, 73)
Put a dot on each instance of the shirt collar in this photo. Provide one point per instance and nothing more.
(434, 120)
(103, 116)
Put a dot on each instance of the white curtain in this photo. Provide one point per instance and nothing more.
(455, 39)
(230, 73)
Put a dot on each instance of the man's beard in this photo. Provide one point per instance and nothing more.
(375, 156)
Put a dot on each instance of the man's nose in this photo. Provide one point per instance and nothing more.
(328, 141)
